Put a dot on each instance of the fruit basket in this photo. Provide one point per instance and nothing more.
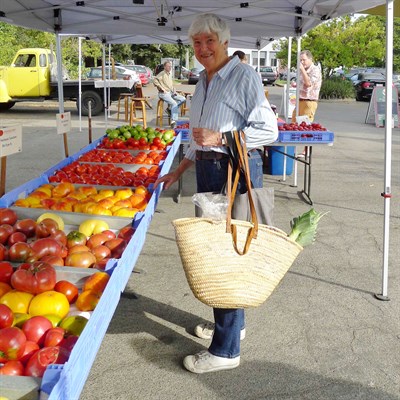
(306, 136)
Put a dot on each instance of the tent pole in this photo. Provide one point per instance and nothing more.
(388, 149)
(80, 83)
(289, 67)
(110, 76)
(59, 74)
(105, 87)
(60, 87)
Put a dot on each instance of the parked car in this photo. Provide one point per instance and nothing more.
(292, 75)
(366, 81)
(149, 74)
(193, 76)
(158, 69)
(268, 75)
(141, 71)
(181, 72)
(121, 73)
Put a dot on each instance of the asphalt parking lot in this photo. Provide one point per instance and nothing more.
(321, 335)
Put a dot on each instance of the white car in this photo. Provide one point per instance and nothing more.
(121, 73)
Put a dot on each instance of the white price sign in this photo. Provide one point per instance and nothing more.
(10, 140)
(63, 123)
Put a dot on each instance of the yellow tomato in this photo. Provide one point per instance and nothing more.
(129, 212)
(50, 302)
(17, 301)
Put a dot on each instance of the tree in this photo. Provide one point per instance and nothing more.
(13, 38)
(345, 42)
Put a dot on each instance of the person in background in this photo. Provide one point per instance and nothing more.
(165, 86)
(227, 97)
(241, 55)
(309, 86)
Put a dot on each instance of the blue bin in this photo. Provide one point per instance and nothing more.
(275, 160)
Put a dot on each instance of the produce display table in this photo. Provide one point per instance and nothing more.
(306, 139)
(67, 381)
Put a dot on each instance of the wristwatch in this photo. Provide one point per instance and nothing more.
(223, 141)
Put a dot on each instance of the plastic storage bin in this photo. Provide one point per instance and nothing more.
(276, 159)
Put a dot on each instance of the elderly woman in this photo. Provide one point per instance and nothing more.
(227, 97)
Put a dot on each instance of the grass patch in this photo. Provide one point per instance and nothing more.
(337, 88)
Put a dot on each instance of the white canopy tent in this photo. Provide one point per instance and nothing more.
(253, 24)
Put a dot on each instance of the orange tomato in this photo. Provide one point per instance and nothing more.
(63, 189)
(50, 302)
(138, 201)
(141, 190)
(96, 282)
(87, 300)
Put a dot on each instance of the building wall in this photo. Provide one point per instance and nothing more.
(266, 55)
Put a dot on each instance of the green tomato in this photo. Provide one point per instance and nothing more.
(113, 134)
(127, 134)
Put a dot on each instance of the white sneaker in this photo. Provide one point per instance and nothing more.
(206, 362)
(206, 331)
(173, 124)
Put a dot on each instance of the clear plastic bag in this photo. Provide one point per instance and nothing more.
(211, 205)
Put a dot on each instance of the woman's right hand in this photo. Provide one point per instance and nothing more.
(167, 179)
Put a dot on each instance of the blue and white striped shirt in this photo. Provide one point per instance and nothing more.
(234, 99)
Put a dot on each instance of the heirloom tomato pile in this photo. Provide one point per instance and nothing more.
(89, 245)
(64, 196)
(41, 316)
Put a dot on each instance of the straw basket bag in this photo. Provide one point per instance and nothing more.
(232, 263)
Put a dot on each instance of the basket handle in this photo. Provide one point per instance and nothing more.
(239, 149)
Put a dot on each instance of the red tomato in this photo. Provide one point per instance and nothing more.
(12, 368)
(19, 252)
(46, 247)
(54, 337)
(69, 342)
(46, 227)
(53, 260)
(30, 348)
(101, 252)
(8, 216)
(96, 240)
(34, 278)
(126, 233)
(3, 252)
(5, 231)
(68, 289)
(16, 237)
(110, 234)
(117, 247)
(12, 343)
(39, 361)
(6, 316)
(26, 226)
(6, 270)
(35, 329)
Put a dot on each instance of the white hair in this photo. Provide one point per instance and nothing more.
(210, 23)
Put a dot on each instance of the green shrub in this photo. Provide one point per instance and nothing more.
(337, 88)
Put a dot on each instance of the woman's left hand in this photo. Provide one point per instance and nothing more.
(206, 137)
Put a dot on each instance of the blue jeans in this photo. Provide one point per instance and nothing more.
(211, 176)
(174, 100)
